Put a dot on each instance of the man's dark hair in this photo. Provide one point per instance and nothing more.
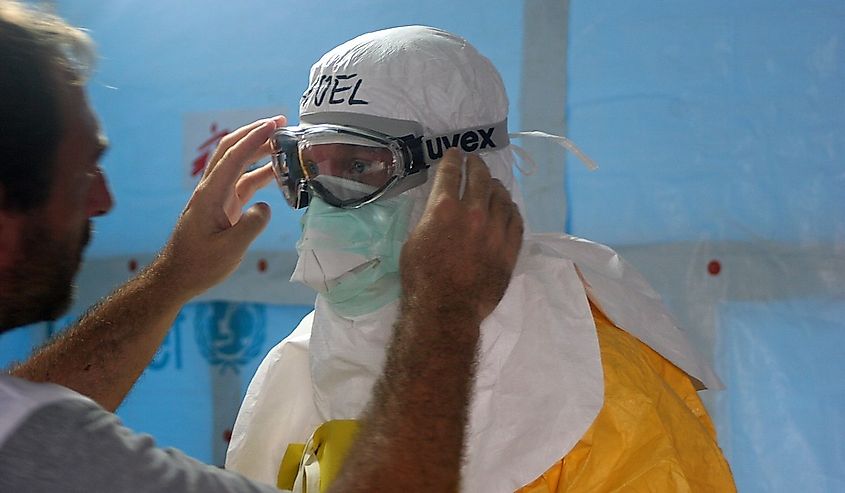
(38, 52)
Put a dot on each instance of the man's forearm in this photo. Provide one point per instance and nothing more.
(104, 353)
(413, 433)
(107, 350)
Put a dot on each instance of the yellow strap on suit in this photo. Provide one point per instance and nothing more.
(311, 467)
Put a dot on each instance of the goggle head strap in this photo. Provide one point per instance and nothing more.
(423, 151)
(478, 138)
(481, 138)
(429, 150)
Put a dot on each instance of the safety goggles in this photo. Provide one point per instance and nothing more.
(350, 160)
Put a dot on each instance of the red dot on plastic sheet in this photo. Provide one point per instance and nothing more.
(262, 265)
(227, 436)
(714, 267)
(133, 265)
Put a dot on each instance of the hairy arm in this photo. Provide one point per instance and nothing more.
(455, 268)
(105, 352)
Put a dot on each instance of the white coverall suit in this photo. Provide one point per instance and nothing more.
(584, 382)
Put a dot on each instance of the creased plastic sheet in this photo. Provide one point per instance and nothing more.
(633, 445)
(782, 418)
(720, 134)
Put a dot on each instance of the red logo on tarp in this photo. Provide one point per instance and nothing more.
(206, 149)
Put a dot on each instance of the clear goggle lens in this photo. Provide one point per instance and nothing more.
(357, 159)
(346, 167)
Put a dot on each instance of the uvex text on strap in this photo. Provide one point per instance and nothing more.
(351, 159)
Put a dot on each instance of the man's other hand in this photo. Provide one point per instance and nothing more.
(463, 251)
(214, 231)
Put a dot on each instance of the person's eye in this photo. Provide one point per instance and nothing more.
(311, 168)
(359, 167)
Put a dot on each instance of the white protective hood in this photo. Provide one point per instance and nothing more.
(540, 383)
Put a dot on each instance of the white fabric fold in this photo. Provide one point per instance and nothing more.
(539, 384)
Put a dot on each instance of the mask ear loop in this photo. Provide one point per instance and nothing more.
(557, 139)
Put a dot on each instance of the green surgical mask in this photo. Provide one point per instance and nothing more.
(351, 256)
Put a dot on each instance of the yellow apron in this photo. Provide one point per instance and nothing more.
(652, 434)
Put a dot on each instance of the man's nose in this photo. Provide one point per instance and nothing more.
(100, 199)
(332, 167)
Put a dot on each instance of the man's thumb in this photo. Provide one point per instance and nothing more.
(251, 224)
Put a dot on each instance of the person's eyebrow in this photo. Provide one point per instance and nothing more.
(101, 147)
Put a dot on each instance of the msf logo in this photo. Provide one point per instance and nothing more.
(469, 141)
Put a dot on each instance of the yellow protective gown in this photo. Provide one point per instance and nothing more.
(651, 435)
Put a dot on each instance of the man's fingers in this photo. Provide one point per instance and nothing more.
(225, 143)
(250, 224)
(478, 189)
(506, 226)
(515, 230)
(233, 137)
(447, 180)
(265, 149)
(260, 153)
(501, 206)
(226, 173)
(252, 181)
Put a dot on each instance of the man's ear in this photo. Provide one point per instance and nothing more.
(11, 229)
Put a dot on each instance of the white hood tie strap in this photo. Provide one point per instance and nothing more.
(525, 156)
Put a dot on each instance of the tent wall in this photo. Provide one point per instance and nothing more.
(720, 132)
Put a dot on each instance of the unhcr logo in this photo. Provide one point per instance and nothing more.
(230, 335)
(468, 141)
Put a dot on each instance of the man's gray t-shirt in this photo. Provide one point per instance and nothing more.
(71, 444)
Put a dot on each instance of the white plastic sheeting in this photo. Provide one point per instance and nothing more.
(783, 415)
(720, 131)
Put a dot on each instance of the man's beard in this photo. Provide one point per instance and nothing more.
(40, 287)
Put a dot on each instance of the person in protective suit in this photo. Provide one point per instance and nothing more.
(583, 383)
